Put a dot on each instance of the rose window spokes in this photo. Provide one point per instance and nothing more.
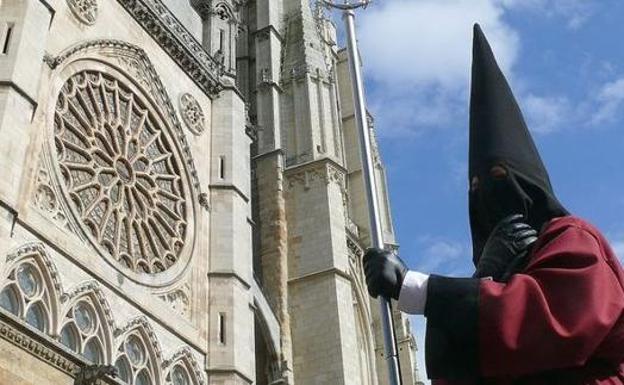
(121, 173)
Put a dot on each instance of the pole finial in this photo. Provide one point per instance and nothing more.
(347, 5)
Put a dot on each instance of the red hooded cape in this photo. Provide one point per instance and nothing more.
(560, 321)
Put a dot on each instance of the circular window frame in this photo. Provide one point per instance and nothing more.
(62, 75)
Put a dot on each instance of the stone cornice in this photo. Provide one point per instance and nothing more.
(52, 352)
(275, 152)
(229, 370)
(264, 32)
(14, 86)
(158, 21)
(324, 169)
(230, 275)
(43, 347)
(230, 187)
(333, 271)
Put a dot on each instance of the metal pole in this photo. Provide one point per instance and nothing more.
(391, 352)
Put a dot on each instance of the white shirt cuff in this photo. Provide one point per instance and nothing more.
(413, 295)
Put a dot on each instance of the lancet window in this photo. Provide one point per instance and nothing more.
(26, 293)
(179, 376)
(83, 330)
(135, 364)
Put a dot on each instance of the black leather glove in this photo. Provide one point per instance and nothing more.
(506, 248)
(385, 272)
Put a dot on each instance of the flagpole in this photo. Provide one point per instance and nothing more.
(391, 351)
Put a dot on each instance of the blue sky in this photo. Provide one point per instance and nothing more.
(565, 62)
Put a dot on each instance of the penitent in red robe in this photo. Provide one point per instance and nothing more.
(559, 321)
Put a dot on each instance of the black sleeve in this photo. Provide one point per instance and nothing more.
(451, 342)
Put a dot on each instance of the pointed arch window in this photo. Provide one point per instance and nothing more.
(183, 369)
(179, 376)
(83, 329)
(26, 290)
(135, 363)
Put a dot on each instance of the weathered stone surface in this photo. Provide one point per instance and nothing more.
(180, 197)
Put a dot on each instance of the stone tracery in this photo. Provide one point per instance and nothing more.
(122, 174)
(85, 10)
(192, 113)
(29, 279)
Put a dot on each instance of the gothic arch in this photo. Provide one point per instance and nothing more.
(138, 353)
(267, 358)
(362, 314)
(30, 287)
(86, 322)
(183, 365)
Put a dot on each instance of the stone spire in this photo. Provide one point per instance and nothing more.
(311, 127)
(303, 46)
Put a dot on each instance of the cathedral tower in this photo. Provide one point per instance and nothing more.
(181, 199)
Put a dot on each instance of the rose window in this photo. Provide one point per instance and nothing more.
(121, 172)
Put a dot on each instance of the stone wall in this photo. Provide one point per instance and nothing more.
(128, 201)
(126, 187)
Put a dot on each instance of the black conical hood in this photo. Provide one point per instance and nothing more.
(497, 127)
(499, 135)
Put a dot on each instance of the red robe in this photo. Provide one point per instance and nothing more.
(559, 321)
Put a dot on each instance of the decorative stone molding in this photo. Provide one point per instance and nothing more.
(24, 339)
(37, 251)
(121, 172)
(178, 42)
(85, 10)
(192, 114)
(90, 374)
(45, 197)
(47, 346)
(223, 9)
(370, 122)
(322, 170)
(142, 324)
(359, 289)
(184, 356)
(93, 288)
(251, 125)
(179, 300)
(46, 349)
(356, 252)
(135, 61)
(204, 201)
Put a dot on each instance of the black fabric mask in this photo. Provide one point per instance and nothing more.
(499, 137)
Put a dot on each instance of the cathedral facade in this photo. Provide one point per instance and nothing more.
(181, 199)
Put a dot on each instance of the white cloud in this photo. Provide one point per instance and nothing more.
(417, 55)
(444, 256)
(428, 42)
(546, 114)
(417, 58)
(403, 113)
(610, 101)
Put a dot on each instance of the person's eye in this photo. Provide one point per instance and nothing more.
(498, 172)
(474, 183)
